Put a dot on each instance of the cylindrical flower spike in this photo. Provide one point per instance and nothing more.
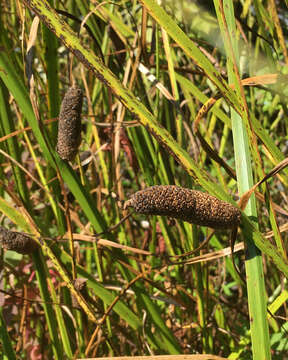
(69, 127)
(12, 240)
(195, 207)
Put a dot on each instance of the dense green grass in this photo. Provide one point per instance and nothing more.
(139, 132)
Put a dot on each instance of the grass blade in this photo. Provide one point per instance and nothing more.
(253, 263)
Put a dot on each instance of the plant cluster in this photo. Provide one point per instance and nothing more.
(156, 101)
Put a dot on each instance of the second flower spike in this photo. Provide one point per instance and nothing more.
(69, 126)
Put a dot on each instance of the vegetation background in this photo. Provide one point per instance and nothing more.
(146, 70)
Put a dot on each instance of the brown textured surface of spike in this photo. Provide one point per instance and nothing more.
(80, 286)
(193, 206)
(69, 126)
(12, 240)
